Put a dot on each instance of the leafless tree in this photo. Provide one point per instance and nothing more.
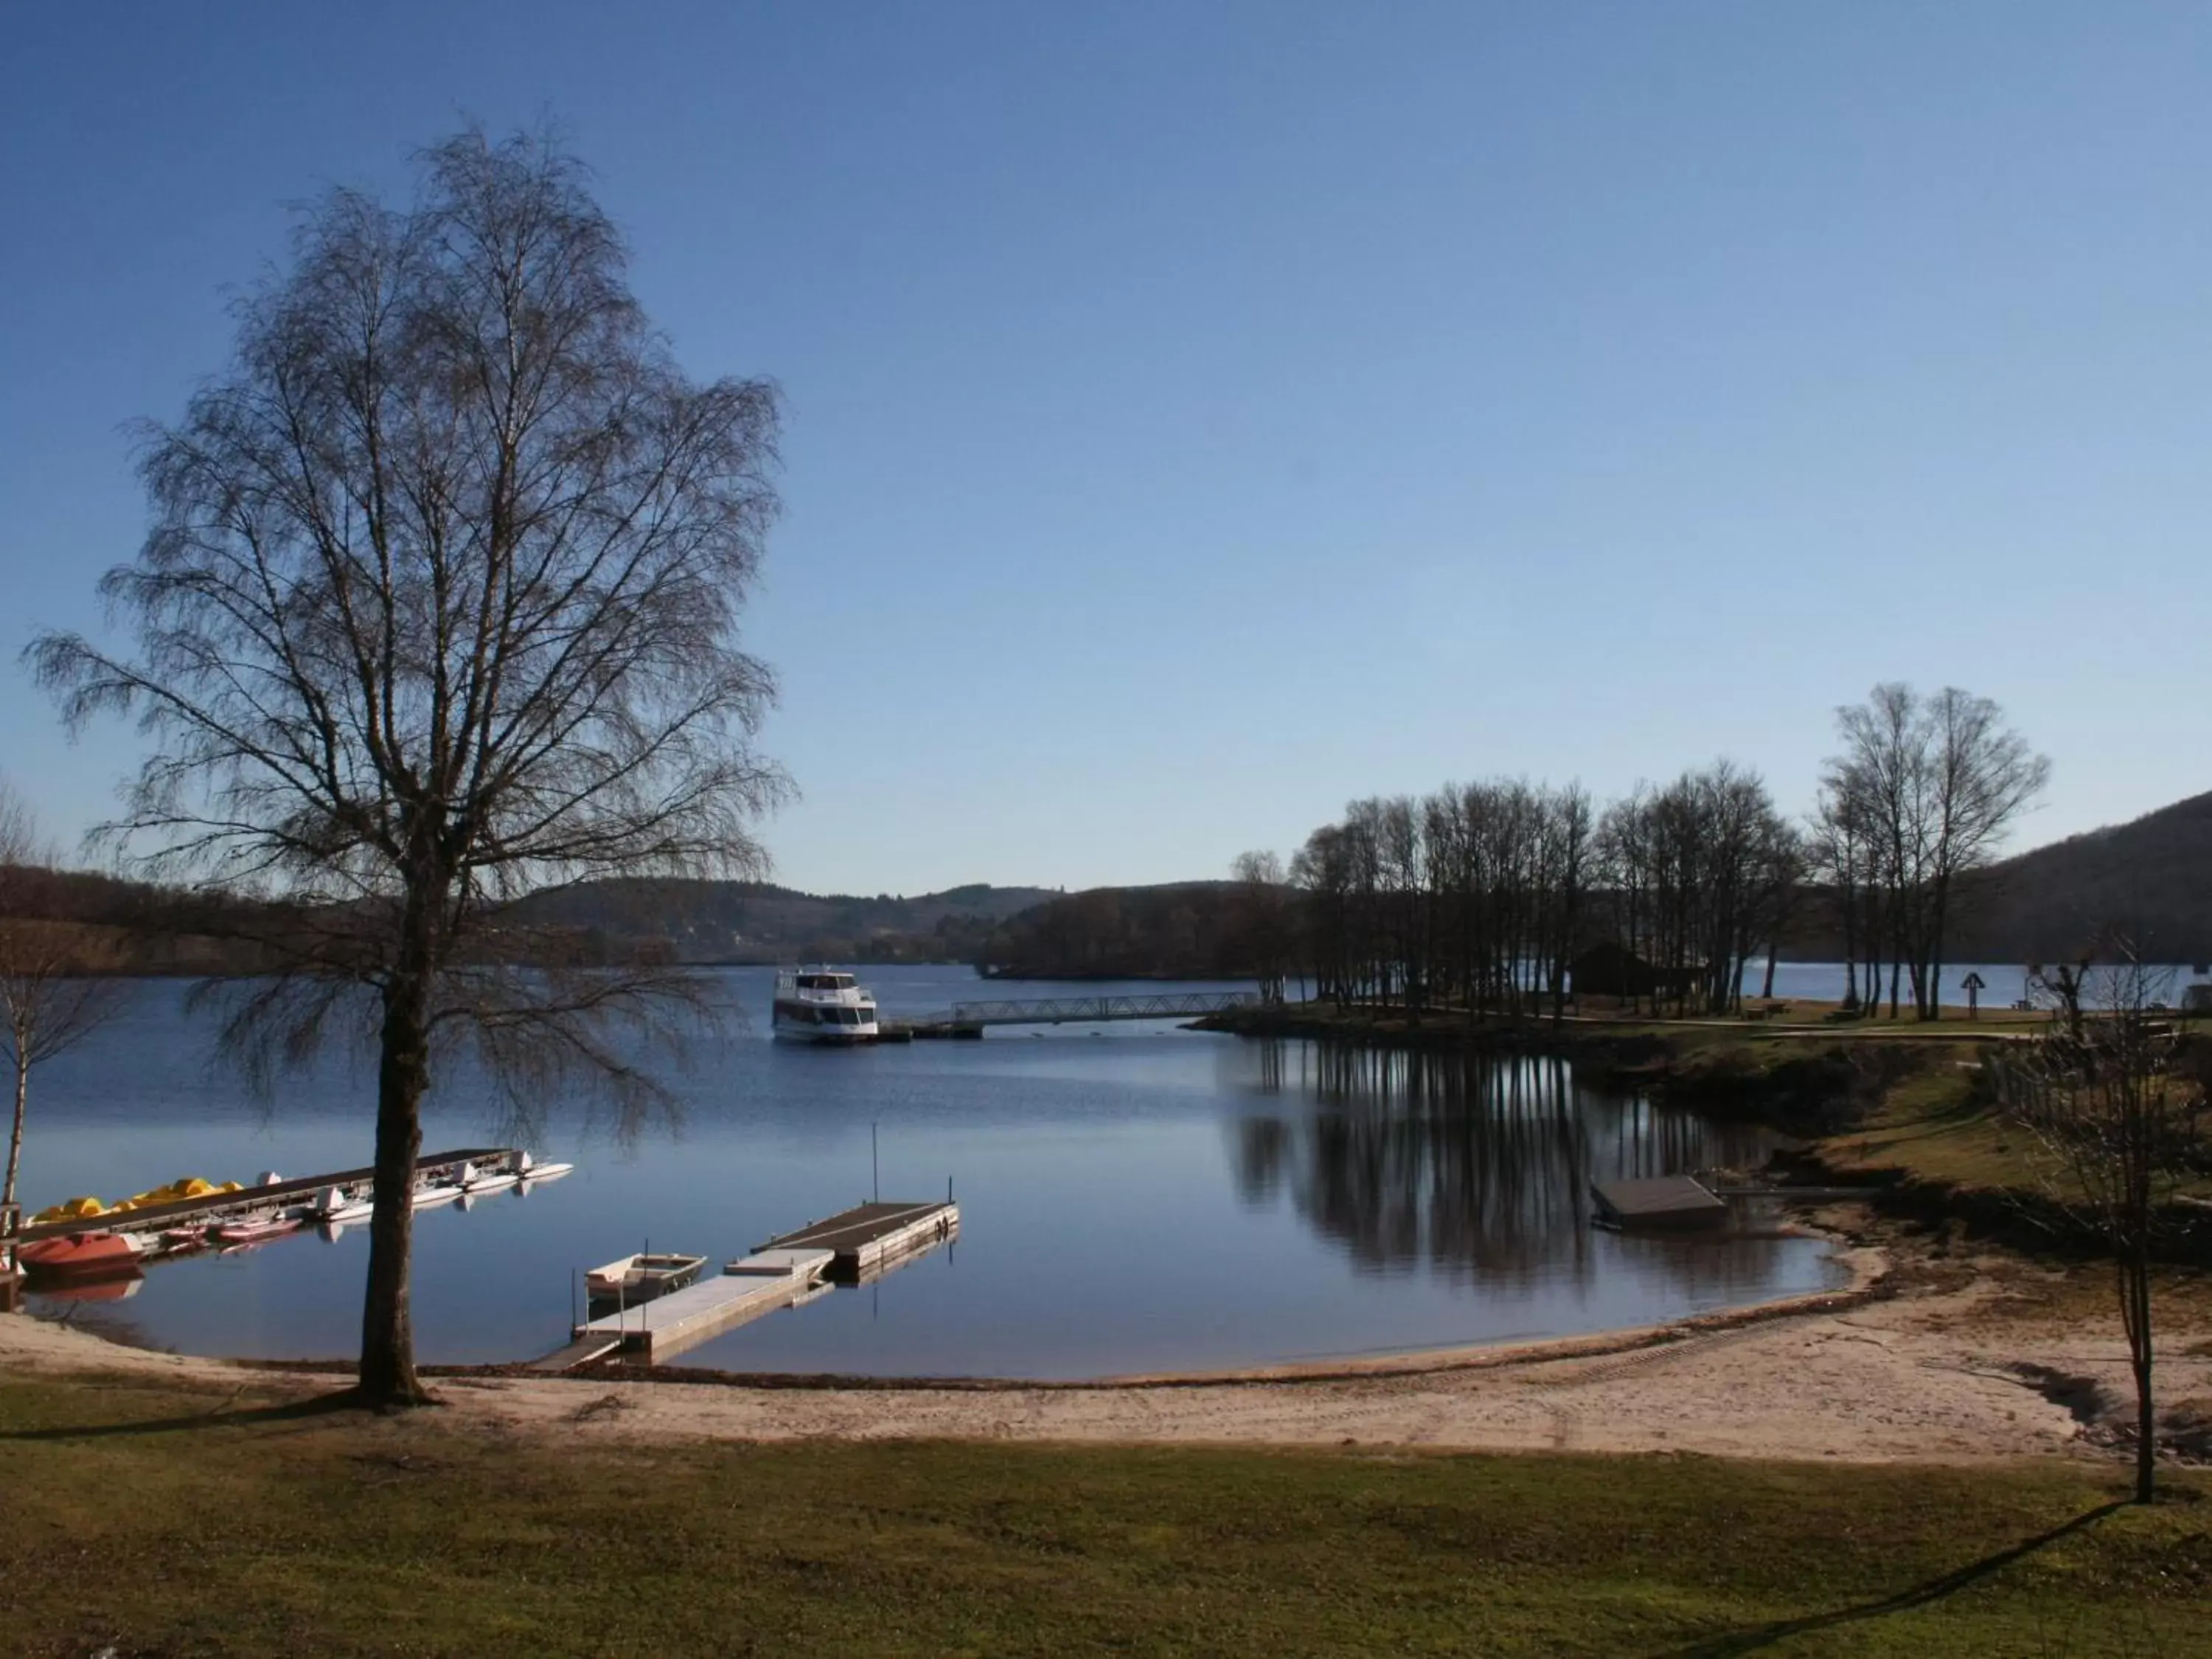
(440, 606)
(1267, 920)
(47, 1002)
(1934, 783)
(2122, 1129)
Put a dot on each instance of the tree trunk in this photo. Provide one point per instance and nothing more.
(387, 1329)
(15, 1134)
(2137, 1290)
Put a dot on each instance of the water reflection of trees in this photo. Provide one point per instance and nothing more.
(1475, 1168)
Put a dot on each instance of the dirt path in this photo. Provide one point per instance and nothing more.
(1978, 1370)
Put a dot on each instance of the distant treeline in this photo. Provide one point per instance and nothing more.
(136, 928)
(1503, 895)
(1184, 930)
(127, 926)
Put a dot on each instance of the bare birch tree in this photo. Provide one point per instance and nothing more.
(438, 606)
(47, 1003)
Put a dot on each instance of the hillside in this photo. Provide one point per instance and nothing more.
(2151, 877)
(1179, 930)
(755, 922)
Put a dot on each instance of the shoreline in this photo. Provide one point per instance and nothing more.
(1870, 1271)
(1922, 1358)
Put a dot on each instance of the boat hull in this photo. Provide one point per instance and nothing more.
(79, 1253)
(842, 1037)
(255, 1232)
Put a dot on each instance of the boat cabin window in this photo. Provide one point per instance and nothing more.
(825, 982)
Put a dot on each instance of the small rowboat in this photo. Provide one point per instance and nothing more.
(641, 1278)
(255, 1232)
(488, 1180)
(530, 1171)
(81, 1253)
(427, 1197)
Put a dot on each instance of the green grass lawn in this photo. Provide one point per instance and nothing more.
(137, 1518)
(1934, 1127)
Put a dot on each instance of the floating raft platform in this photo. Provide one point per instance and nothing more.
(866, 1238)
(1664, 1202)
(665, 1327)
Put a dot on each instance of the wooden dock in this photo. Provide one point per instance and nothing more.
(863, 1239)
(1658, 1202)
(248, 1201)
(853, 1247)
(665, 1327)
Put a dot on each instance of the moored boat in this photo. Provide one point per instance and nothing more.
(640, 1278)
(823, 1005)
(254, 1232)
(336, 1206)
(81, 1253)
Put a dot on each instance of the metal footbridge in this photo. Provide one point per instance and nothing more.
(968, 1018)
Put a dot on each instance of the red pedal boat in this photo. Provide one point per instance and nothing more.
(80, 1253)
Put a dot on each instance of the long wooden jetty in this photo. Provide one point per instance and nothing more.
(276, 1195)
(968, 1020)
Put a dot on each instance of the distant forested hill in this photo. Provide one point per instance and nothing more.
(2151, 877)
(755, 922)
(1184, 930)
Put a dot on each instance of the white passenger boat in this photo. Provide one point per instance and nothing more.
(823, 1005)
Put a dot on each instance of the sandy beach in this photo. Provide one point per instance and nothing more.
(1961, 1361)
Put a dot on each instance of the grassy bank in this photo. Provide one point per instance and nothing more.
(1807, 1080)
(1933, 1137)
(166, 1523)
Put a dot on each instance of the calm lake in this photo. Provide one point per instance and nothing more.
(1133, 1197)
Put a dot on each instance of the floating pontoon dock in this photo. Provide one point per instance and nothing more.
(1664, 1201)
(667, 1325)
(868, 1235)
(853, 1246)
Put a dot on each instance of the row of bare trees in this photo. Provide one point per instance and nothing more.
(1468, 897)
(1923, 792)
(1480, 896)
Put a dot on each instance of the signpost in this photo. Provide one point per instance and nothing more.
(1973, 987)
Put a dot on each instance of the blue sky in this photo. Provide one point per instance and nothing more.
(1197, 416)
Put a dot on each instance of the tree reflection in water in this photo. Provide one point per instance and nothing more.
(1476, 1167)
